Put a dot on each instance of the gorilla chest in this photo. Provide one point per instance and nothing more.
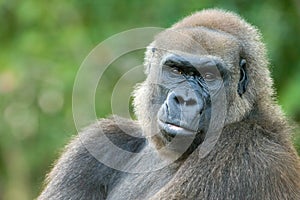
(140, 186)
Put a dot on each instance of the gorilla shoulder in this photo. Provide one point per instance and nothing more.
(78, 166)
(124, 133)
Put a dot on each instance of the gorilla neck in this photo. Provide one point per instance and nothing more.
(262, 115)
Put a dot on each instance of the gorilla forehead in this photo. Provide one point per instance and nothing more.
(199, 41)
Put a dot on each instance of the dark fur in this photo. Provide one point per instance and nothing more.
(253, 158)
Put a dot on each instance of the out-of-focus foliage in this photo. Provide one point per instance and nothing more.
(42, 44)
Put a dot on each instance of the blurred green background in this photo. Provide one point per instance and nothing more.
(42, 44)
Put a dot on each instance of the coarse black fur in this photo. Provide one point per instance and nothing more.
(253, 157)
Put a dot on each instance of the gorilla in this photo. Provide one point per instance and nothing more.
(212, 128)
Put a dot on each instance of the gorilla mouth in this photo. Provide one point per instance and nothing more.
(189, 139)
(170, 130)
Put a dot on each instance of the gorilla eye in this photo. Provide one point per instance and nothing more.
(191, 73)
(208, 76)
(176, 70)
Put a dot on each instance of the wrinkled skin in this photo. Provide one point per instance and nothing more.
(185, 84)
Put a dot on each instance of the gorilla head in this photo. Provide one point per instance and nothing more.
(195, 71)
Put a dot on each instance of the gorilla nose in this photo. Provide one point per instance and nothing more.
(183, 104)
(188, 102)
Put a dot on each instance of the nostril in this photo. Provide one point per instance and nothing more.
(201, 111)
(178, 99)
(191, 102)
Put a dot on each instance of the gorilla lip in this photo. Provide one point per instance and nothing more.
(174, 130)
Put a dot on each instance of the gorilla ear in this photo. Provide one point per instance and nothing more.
(243, 78)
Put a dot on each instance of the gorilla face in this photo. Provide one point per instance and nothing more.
(187, 83)
(186, 103)
(188, 73)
